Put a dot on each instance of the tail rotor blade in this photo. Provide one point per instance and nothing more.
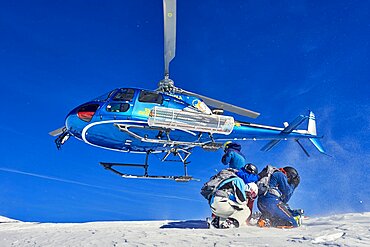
(169, 11)
(57, 131)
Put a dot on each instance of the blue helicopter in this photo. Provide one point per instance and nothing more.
(170, 120)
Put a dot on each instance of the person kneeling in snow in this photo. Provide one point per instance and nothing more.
(229, 204)
(272, 201)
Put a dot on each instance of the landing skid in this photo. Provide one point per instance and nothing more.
(108, 166)
(185, 178)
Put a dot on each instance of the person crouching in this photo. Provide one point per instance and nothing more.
(229, 204)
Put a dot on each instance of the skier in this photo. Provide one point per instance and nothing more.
(233, 157)
(249, 174)
(229, 204)
(273, 203)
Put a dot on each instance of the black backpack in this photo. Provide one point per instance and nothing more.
(264, 179)
(210, 187)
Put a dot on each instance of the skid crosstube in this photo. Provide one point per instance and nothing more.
(108, 166)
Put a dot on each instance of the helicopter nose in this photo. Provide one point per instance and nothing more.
(73, 123)
(79, 117)
(70, 120)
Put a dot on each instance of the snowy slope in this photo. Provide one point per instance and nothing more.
(338, 230)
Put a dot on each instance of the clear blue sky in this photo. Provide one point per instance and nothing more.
(280, 58)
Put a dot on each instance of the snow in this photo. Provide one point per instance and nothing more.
(337, 230)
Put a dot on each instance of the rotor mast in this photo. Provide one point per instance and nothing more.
(169, 14)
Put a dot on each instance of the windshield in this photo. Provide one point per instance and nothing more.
(105, 96)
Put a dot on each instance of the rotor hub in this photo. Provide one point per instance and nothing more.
(166, 85)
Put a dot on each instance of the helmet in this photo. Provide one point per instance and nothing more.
(226, 145)
(251, 168)
(251, 190)
(292, 175)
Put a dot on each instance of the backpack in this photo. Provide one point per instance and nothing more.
(210, 187)
(264, 179)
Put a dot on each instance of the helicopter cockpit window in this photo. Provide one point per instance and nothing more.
(125, 94)
(150, 97)
(106, 96)
(86, 112)
(118, 107)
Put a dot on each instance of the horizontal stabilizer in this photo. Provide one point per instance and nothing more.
(293, 125)
(287, 130)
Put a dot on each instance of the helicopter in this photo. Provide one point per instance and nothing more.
(170, 120)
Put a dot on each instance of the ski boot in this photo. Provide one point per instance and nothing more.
(263, 222)
(297, 215)
(213, 222)
(228, 223)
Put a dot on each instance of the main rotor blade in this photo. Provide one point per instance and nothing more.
(169, 11)
(57, 131)
(225, 106)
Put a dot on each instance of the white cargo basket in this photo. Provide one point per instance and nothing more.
(190, 120)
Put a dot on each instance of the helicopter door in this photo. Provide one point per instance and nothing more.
(145, 103)
(120, 105)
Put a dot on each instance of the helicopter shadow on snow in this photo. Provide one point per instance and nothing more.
(186, 224)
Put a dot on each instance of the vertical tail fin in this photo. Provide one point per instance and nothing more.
(311, 124)
(311, 129)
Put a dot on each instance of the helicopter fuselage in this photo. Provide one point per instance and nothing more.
(119, 121)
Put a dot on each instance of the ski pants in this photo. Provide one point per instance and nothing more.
(225, 208)
(277, 211)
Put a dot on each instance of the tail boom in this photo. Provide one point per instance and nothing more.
(310, 134)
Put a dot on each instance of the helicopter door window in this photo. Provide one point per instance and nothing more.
(118, 107)
(150, 97)
(125, 94)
